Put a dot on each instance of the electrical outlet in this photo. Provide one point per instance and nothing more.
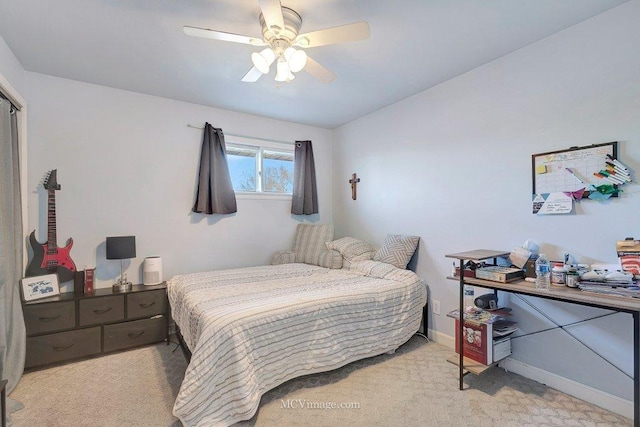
(435, 307)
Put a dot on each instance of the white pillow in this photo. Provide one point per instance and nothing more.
(352, 249)
(373, 268)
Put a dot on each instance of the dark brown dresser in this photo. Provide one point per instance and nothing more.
(70, 326)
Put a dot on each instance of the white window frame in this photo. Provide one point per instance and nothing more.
(260, 146)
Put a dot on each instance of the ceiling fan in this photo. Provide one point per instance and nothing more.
(280, 34)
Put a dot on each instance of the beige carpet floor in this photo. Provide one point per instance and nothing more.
(416, 386)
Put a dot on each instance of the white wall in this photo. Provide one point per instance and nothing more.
(10, 68)
(127, 164)
(453, 165)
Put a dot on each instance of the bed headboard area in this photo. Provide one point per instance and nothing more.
(314, 245)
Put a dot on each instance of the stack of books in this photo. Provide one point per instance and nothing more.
(486, 334)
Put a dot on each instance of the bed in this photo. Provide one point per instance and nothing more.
(252, 329)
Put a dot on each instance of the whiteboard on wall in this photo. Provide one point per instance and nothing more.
(570, 170)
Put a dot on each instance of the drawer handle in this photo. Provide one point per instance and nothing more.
(48, 319)
(135, 334)
(62, 347)
(146, 305)
(102, 311)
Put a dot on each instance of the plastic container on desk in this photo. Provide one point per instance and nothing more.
(572, 277)
(558, 275)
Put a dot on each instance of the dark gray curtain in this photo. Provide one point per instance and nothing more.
(305, 193)
(215, 193)
(12, 330)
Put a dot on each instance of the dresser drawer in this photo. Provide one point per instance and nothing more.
(146, 304)
(48, 317)
(62, 346)
(135, 333)
(94, 311)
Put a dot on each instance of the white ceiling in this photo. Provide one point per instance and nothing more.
(139, 45)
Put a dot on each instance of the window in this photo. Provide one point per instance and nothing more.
(260, 168)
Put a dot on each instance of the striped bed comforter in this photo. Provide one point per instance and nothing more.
(252, 329)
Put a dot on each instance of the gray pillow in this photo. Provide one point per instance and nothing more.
(397, 249)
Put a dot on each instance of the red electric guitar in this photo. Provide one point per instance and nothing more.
(48, 258)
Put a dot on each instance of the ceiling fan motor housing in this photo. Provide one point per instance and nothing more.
(292, 23)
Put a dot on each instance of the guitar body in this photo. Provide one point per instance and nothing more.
(48, 263)
(48, 258)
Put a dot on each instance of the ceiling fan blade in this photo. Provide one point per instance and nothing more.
(319, 71)
(272, 13)
(343, 33)
(221, 35)
(252, 75)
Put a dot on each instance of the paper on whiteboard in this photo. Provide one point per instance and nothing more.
(552, 204)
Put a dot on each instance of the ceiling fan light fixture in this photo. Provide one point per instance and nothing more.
(297, 59)
(283, 73)
(288, 52)
(263, 60)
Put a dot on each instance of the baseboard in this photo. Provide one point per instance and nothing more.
(573, 388)
(588, 394)
(441, 338)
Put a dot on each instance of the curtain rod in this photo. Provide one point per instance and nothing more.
(246, 136)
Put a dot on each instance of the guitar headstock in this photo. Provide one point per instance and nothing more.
(51, 181)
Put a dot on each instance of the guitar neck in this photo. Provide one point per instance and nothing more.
(52, 246)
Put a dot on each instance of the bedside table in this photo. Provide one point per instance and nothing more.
(70, 326)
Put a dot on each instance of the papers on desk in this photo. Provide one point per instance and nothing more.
(476, 315)
(501, 326)
(608, 288)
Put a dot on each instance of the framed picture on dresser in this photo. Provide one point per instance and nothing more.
(40, 287)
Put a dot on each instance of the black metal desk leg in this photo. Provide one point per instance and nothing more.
(3, 402)
(460, 326)
(425, 320)
(636, 369)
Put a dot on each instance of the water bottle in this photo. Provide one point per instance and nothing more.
(468, 296)
(543, 272)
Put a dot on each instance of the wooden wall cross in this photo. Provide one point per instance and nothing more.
(354, 182)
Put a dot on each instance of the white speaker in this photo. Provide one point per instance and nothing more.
(152, 270)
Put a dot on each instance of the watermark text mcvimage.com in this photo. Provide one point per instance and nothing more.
(311, 404)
